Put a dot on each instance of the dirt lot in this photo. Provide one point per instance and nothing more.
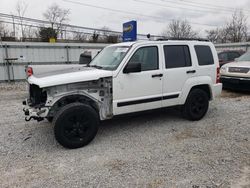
(158, 149)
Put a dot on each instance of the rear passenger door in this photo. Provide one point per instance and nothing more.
(176, 71)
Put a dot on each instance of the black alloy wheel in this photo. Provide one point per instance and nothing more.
(76, 125)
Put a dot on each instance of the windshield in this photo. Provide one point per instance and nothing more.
(110, 57)
(244, 57)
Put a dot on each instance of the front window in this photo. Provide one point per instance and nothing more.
(147, 56)
(245, 57)
(110, 57)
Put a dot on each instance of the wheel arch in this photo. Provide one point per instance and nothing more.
(72, 98)
(204, 87)
(204, 82)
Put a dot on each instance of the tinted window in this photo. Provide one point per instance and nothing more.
(223, 56)
(204, 55)
(147, 56)
(233, 55)
(177, 56)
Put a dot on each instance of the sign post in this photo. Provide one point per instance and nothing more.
(130, 31)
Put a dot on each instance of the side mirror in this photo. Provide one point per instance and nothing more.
(236, 59)
(132, 67)
(85, 58)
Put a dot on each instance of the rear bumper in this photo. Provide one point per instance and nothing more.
(237, 83)
(217, 89)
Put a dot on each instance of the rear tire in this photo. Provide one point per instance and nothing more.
(75, 125)
(196, 105)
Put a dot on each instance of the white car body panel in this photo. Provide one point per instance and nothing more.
(67, 78)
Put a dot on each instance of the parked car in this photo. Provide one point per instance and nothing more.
(236, 75)
(125, 78)
(229, 56)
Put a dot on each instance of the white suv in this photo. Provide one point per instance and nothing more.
(124, 78)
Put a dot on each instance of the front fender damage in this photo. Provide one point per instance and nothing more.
(97, 93)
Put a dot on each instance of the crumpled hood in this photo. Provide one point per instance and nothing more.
(238, 64)
(67, 76)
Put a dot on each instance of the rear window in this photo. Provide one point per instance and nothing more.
(177, 56)
(204, 55)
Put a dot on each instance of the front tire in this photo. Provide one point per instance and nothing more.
(49, 119)
(196, 105)
(75, 125)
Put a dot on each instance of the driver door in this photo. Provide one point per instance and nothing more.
(139, 91)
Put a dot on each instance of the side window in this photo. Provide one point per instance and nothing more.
(223, 56)
(177, 56)
(233, 55)
(148, 57)
(204, 55)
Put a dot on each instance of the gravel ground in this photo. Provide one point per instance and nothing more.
(158, 149)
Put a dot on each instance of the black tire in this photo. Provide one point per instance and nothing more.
(75, 125)
(49, 119)
(196, 105)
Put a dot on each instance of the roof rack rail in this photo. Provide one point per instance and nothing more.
(197, 39)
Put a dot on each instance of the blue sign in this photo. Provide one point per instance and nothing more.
(129, 31)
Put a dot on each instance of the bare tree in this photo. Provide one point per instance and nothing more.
(105, 31)
(79, 36)
(234, 31)
(95, 36)
(218, 35)
(21, 8)
(179, 29)
(57, 16)
(237, 28)
(106, 35)
(3, 30)
(213, 35)
(32, 32)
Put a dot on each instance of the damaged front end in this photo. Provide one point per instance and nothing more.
(34, 106)
(46, 102)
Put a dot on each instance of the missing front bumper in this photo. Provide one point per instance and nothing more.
(34, 113)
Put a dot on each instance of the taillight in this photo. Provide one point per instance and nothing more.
(29, 71)
(218, 75)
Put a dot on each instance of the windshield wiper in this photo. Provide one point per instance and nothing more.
(95, 66)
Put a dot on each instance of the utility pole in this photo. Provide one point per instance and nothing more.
(14, 27)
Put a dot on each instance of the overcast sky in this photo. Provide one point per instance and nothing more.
(152, 15)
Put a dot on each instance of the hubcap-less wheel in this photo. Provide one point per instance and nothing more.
(196, 105)
(50, 119)
(76, 125)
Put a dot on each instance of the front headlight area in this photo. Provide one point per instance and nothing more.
(223, 69)
(37, 96)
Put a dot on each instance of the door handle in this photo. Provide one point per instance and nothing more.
(191, 71)
(157, 75)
